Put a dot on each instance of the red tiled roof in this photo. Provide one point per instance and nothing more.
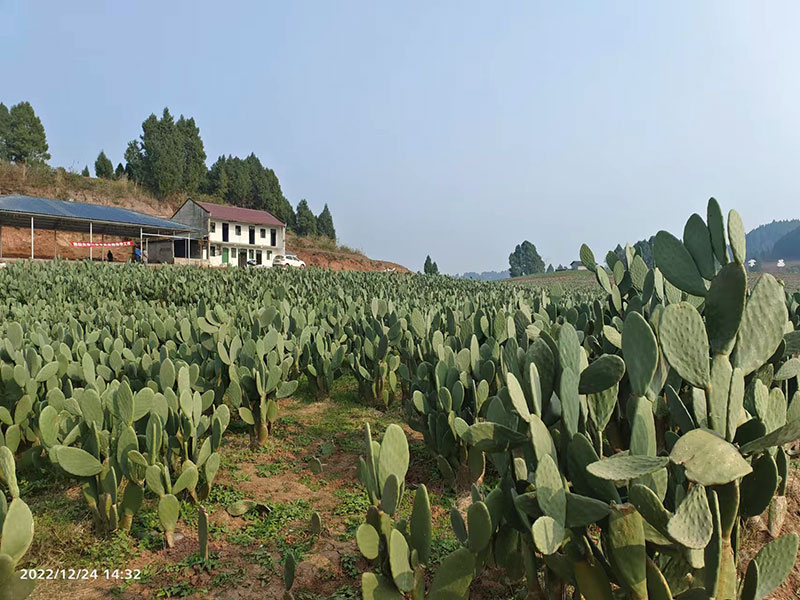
(242, 215)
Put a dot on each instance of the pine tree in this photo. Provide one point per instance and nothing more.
(25, 140)
(119, 171)
(194, 155)
(4, 119)
(103, 166)
(162, 150)
(85, 171)
(325, 224)
(306, 221)
(430, 267)
(134, 162)
(550, 268)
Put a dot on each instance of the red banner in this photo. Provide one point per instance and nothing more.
(101, 244)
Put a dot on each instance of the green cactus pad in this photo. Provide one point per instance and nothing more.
(724, 308)
(421, 527)
(758, 488)
(583, 510)
(550, 490)
(684, 342)
(241, 507)
(402, 574)
(368, 541)
(708, 459)
(548, 534)
(657, 585)
(716, 227)
(390, 495)
(168, 511)
(676, 263)
(737, 237)
(624, 467)
(625, 543)
(289, 568)
(377, 587)
(783, 435)
(17, 532)
(78, 462)
(697, 240)
(762, 326)
(692, 525)
(393, 458)
(453, 577)
(479, 526)
(775, 561)
(492, 437)
(8, 471)
(602, 374)
(517, 396)
(650, 507)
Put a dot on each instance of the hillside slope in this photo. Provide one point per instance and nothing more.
(60, 184)
(762, 240)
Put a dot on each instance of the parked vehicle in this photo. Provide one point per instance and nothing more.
(288, 260)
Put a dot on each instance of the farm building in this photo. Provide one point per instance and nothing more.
(235, 235)
(577, 265)
(97, 229)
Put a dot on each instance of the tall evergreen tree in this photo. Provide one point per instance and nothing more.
(306, 221)
(85, 171)
(325, 224)
(25, 140)
(194, 155)
(163, 154)
(134, 162)
(103, 166)
(525, 260)
(430, 267)
(4, 119)
(119, 171)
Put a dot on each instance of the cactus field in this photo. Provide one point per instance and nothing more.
(237, 433)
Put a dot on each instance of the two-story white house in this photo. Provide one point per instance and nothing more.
(235, 235)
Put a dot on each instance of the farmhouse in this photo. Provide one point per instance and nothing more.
(235, 236)
(577, 265)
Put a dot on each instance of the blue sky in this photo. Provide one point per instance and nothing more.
(455, 129)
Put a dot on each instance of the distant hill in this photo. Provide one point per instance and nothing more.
(788, 247)
(762, 242)
(485, 275)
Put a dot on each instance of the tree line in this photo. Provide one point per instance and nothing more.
(169, 158)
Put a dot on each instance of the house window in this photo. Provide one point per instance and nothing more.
(213, 250)
(273, 237)
(213, 226)
(269, 254)
(238, 230)
(263, 233)
(233, 252)
(258, 257)
(250, 254)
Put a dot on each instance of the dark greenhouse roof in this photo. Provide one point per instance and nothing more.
(15, 206)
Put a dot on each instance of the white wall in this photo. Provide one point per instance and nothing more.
(241, 242)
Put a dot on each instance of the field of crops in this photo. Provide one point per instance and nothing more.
(264, 434)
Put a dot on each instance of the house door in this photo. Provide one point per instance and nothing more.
(252, 235)
(242, 258)
(224, 256)
(225, 232)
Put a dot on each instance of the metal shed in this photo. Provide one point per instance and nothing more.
(81, 217)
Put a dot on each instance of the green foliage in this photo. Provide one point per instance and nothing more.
(430, 267)
(22, 136)
(85, 172)
(525, 260)
(306, 222)
(325, 224)
(103, 166)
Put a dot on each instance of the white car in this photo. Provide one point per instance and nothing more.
(288, 260)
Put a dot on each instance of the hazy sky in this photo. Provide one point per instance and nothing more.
(457, 129)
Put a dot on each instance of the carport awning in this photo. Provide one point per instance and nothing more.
(48, 213)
